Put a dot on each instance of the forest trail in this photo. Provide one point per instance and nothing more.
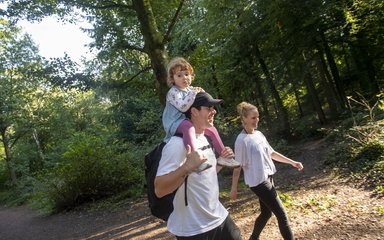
(321, 208)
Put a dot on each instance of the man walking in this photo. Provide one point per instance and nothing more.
(198, 213)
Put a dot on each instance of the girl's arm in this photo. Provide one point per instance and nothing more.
(175, 97)
(240, 155)
(281, 158)
(235, 180)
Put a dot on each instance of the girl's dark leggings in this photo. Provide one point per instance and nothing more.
(270, 203)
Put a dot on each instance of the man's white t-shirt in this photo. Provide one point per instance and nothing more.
(204, 211)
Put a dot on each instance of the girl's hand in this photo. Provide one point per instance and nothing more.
(227, 153)
(233, 194)
(198, 89)
(298, 165)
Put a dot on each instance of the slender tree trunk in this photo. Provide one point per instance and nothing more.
(282, 113)
(154, 45)
(312, 91)
(297, 95)
(8, 156)
(259, 93)
(328, 92)
(334, 70)
(39, 149)
(264, 104)
(338, 98)
(366, 71)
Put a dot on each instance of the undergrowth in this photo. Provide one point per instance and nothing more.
(358, 151)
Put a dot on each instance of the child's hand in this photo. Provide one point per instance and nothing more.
(198, 89)
(227, 153)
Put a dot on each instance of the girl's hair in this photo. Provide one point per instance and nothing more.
(175, 64)
(244, 108)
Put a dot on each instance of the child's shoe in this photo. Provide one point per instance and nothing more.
(202, 167)
(228, 162)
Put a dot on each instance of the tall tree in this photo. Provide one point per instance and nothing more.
(119, 27)
(18, 61)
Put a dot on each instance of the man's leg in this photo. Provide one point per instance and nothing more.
(226, 231)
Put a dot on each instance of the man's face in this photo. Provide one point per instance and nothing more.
(206, 116)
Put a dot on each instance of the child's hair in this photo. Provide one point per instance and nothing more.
(173, 65)
(244, 108)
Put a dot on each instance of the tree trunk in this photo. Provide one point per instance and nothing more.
(154, 45)
(8, 156)
(293, 81)
(334, 70)
(264, 103)
(40, 163)
(366, 71)
(339, 100)
(312, 91)
(282, 113)
(328, 91)
(259, 93)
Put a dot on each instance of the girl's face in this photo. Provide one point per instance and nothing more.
(182, 78)
(251, 120)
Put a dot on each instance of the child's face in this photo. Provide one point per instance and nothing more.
(182, 78)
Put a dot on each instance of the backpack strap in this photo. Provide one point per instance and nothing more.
(186, 178)
(185, 191)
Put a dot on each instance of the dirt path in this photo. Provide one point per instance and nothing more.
(321, 207)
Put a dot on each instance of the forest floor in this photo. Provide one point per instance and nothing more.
(320, 206)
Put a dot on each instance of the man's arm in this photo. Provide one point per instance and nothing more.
(170, 182)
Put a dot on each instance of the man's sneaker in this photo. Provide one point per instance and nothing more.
(228, 162)
(202, 167)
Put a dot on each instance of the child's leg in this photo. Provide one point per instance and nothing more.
(219, 148)
(189, 134)
(213, 134)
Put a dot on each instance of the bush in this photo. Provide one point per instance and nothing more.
(363, 162)
(89, 170)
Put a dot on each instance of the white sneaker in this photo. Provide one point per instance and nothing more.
(228, 162)
(202, 167)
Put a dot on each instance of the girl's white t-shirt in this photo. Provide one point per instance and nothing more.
(254, 154)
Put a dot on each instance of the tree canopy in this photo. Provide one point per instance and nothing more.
(300, 62)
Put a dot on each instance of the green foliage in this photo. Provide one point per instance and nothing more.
(359, 150)
(319, 203)
(308, 127)
(361, 162)
(241, 50)
(285, 199)
(280, 145)
(19, 194)
(90, 169)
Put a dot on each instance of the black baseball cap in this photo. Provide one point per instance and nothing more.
(206, 100)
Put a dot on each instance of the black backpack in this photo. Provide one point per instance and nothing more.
(160, 207)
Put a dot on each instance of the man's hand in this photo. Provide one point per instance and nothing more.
(194, 159)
